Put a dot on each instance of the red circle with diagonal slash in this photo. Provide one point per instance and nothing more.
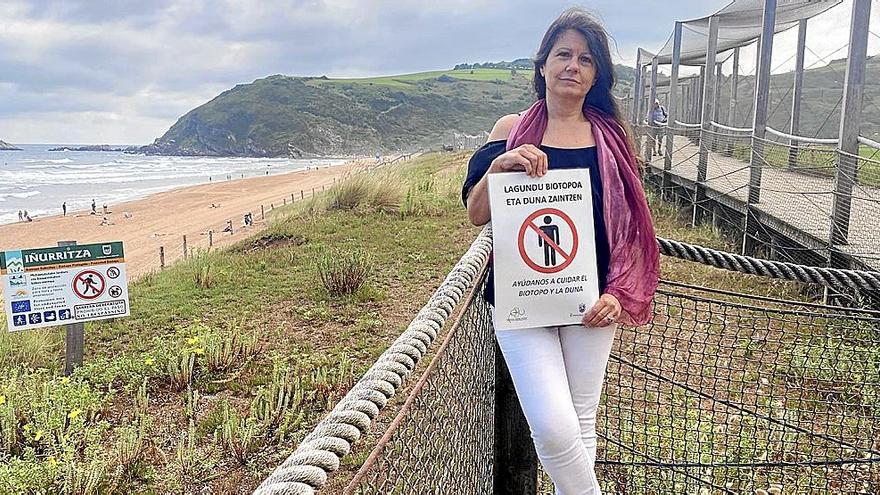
(526, 227)
(81, 276)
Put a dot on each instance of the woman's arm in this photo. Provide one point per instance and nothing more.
(526, 157)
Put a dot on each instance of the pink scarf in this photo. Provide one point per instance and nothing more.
(635, 260)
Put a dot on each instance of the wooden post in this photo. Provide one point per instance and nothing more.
(262, 212)
(302, 195)
(850, 120)
(285, 201)
(162, 257)
(271, 206)
(184, 247)
(637, 95)
(515, 470)
(210, 238)
(74, 337)
(734, 81)
(652, 130)
(708, 101)
(794, 128)
(291, 197)
(759, 126)
(672, 111)
(716, 108)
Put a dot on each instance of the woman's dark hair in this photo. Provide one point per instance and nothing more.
(599, 96)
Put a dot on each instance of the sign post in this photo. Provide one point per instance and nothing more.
(74, 336)
(65, 285)
(544, 248)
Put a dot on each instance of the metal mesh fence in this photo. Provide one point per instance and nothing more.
(442, 437)
(792, 192)
(722, 393)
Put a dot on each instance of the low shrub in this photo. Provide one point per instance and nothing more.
(343, 273)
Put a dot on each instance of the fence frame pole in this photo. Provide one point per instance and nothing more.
(672, 108)
(795, 124)
(759, 126)
(708, 109)
(162, 257)
(850, 120)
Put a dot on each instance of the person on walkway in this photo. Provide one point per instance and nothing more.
(658, 118)
(558, 372)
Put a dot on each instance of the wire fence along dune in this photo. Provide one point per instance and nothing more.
(721, 393)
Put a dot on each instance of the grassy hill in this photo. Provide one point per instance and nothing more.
(301, 116)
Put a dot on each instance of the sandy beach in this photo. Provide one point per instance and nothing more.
(161, 220)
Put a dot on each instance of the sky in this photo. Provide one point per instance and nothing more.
(123, 71)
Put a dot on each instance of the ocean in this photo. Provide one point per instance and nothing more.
(39, 181)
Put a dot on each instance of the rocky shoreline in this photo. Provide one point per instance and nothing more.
(4, 146)
(99, 147)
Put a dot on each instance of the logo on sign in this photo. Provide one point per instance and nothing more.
(19, 320)
(107, 249)
(35, 318)
(21, 306)
(64, 314)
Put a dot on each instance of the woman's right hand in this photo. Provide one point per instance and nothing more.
(527, 157)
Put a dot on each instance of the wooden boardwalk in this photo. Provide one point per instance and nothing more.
(795, 204)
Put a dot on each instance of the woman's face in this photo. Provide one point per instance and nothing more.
(569, 70)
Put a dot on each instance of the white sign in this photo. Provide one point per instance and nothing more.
(544, 248)
(63, 285)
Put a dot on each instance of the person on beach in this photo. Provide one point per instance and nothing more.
(94, 207)
(558, 372)
(20, 216)
(64, 209)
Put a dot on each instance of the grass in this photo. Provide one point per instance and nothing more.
(230, 358)
(232, 354)
(407, 80)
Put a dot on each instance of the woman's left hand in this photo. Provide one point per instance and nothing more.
(605, 312)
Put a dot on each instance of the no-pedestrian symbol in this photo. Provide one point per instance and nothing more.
(88, 284)
(558, 241)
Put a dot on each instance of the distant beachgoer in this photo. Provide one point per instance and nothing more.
(127, 214)
(20, 216)
(105, 208)
(94, 208)
(64, 209)
(228, 226)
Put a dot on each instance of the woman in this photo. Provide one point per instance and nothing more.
(558, 371)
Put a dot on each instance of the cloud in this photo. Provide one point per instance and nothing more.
(123, 70)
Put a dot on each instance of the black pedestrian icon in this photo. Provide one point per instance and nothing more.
(88, 284)
(552, 232)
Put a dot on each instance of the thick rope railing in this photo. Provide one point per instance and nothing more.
(306, 470)
(838, 278)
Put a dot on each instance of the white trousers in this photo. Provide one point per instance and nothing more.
(558, 374)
